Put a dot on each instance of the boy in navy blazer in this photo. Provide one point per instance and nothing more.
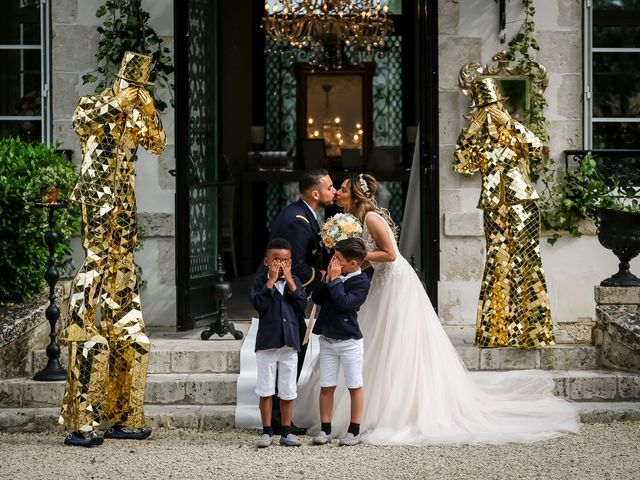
(298, 223)
(280, 300)
(340, 297)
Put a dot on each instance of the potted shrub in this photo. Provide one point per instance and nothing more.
(25, 169)
(615, 208)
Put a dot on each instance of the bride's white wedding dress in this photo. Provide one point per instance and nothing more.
(418, 391)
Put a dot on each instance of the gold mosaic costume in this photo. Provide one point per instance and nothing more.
(514, 305)
(108, 364)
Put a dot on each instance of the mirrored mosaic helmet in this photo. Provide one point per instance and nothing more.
(135, 68)
(486, 91)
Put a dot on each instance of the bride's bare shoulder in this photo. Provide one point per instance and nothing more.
(374, 221)
(373, 217)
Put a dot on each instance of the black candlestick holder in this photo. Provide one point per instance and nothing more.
(53, 371)
(221, 292)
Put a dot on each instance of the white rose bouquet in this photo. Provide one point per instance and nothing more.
(339, 227)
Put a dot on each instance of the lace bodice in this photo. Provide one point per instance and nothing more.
(380, 268)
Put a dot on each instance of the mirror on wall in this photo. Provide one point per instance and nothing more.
(334, 116)
(516, 83)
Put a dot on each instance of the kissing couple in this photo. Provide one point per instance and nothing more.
(417, 390)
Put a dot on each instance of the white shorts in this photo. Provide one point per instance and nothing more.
(349, 353)
(280, 363)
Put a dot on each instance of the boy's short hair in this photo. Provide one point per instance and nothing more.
(310, 179)
(278, 244)
(352, 249)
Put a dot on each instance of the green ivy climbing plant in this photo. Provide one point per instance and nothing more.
(125, 26)
(565, 202)
(521, 50)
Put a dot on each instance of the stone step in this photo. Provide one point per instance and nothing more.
(175, 356)
(220, 388)
(223, 356)
(212, 417)
(171, 389)
(555, 357)
(200, 417)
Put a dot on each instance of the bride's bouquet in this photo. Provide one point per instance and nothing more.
(339, 227)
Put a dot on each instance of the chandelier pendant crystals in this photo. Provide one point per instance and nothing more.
(323, 27)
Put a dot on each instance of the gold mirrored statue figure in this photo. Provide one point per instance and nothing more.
(513, 309)
(108, 362)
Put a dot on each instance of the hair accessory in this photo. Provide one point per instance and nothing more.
(363, 185)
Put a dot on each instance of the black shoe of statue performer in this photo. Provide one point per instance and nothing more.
(120, 432)
(79, 439)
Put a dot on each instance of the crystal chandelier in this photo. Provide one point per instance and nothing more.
(324, 26)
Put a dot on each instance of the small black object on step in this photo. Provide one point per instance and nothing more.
(53, 371)
(221, 292)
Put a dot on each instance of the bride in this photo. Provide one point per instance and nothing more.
(417, 390)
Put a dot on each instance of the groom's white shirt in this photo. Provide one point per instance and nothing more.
(315, 215)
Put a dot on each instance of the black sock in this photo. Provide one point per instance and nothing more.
(354, 428)
(267, 430)
(285, 430)
(326, 428)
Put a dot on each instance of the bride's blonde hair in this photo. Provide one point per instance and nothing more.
(363, 189)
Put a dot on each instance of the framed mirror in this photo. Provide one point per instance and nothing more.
(522, 88)
(334, 109)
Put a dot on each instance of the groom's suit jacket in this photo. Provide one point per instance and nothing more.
(340, 302)
(298, 225)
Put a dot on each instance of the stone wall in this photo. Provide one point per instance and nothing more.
(468, 33)
(74, 43)
(617, 330)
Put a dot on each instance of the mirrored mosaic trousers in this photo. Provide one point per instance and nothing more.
(107, 364)
(514, 305)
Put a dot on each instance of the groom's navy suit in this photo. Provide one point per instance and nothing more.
(299, 226)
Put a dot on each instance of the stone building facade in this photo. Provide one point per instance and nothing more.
(467, 33)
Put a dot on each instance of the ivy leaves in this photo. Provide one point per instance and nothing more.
(522, 46)
(577, 196)
(125, 26)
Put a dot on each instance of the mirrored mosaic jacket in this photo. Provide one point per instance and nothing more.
(502, 157)
(108, 170)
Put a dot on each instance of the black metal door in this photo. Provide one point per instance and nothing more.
(197, 142)
(427, 47)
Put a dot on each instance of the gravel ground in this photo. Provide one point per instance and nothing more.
(600, 451)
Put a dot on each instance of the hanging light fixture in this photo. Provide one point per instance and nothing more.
(324, 26)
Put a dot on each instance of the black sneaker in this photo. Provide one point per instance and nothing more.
(79, 439)
(120, 432)
(299, 431)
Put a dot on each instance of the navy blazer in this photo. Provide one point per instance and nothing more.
(280, 315)
(340, 303)
(296, 223)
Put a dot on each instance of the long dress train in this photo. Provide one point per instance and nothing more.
(418, 391)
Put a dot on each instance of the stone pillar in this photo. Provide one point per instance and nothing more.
(617, 330)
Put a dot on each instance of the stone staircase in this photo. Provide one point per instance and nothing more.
(192, 384)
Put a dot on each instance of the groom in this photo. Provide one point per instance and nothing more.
(299, 224)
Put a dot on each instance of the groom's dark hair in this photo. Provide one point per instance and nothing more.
(310, 179)
(352, 249)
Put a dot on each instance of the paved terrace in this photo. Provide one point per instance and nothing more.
(599, 451)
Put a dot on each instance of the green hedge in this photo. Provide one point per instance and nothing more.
(25, 169)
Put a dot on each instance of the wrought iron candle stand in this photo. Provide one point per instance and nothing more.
(53, 371)
(221, 292)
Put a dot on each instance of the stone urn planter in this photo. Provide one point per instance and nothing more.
(620, 232)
